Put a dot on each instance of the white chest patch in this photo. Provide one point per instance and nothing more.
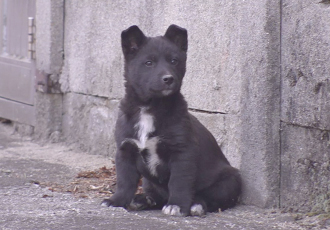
(145, 126)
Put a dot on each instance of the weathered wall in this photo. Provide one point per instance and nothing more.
(93, 63)
(305, 184)
(49, 60)
(251, 65)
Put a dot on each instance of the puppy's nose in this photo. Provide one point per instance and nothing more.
(168, 79)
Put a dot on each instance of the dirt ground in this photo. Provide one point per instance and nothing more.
(52, 186)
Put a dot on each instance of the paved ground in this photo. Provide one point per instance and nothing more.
(25, 204)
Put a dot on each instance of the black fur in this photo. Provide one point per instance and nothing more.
(192, 169)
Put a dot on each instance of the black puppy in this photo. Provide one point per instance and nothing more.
(184, 171)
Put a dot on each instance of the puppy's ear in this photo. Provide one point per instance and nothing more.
(178, 36)
(131, 40)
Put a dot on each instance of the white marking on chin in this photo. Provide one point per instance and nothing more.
(167, 92)
(197, 210)
(172, 210)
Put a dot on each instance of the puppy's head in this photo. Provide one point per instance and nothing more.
(154, 66)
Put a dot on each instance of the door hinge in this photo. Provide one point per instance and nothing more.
(31, 39)
(47, 83)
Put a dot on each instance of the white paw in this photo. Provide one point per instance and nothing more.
(197, 210)
(104, 204)
(172, 210)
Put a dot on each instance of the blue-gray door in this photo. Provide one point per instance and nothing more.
(16, 65)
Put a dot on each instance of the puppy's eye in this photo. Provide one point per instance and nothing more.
(174, 61)
(148, 63)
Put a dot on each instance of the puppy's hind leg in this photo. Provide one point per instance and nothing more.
(156, 192)
(225, 192)
(141, 202)
(154, 197)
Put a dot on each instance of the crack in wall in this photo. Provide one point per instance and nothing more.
(93, 95)
(304, 126)
(206, 111)
(118, 99)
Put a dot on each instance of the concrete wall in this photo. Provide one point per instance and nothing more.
(49, 60)
(234, 82)
(305, 167)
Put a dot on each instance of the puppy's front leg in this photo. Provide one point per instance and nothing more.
(127, 178)
(181, 187)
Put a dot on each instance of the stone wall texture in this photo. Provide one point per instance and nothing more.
(257, 78)
(305, 111)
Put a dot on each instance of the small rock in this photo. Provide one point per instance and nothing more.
(6, 171)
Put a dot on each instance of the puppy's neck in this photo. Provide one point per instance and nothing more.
(131, 103)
